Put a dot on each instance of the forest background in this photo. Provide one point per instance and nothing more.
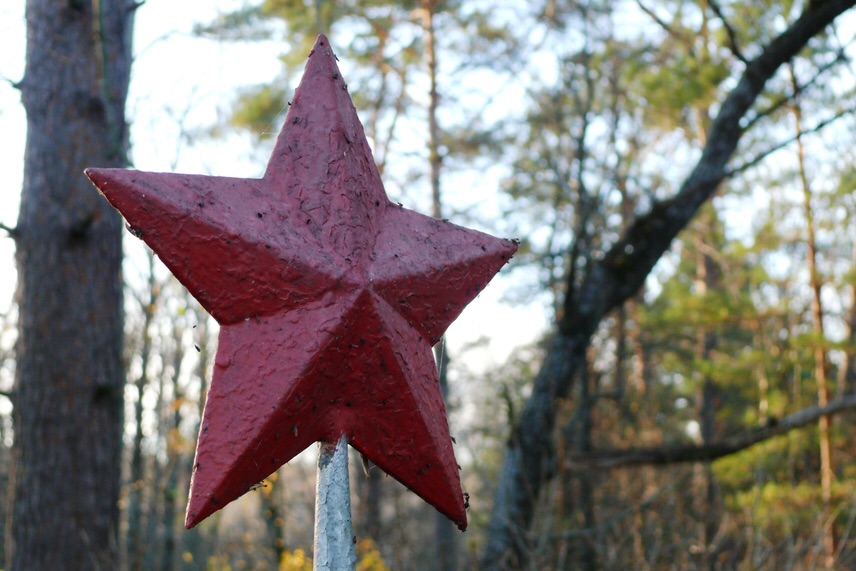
(619, 399)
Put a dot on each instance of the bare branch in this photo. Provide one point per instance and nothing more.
(782, 144)
(664, 25)
(608, 459)
(630, 260)
(12, 82)
(732, 37)
(840, 57)
(643, 505)
(614, 279)
(13, 232)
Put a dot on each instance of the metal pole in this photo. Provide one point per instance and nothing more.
(334, 531)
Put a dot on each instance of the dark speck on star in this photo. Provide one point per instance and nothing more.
(329, 345)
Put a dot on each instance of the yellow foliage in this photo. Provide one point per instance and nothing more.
(216, 563)
(295, 561)
(267, 485)
(368, 559)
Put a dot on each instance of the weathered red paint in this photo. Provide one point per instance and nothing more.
(329, 297)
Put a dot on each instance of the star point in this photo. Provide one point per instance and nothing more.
(329, 297)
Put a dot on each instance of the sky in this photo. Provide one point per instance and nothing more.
(184, 83)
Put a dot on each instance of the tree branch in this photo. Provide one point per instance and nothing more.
(13, 232)
(682, 38)
(630, 260)
(527, 464)
(732, 36)
(778, 104)
(15, 84)
(663, 455)
(782, 144)
(643, 505)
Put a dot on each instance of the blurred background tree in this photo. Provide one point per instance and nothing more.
(65, 467)
(680, 173)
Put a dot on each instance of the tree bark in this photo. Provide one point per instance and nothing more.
(445, 539)
(663, 455)
(528, 461)
(820, 368)
(847, 372)
(69, 377)
(707, 280)
(136, 479)
(166, 478)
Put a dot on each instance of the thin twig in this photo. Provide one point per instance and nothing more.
(12, 82)
(13, 232)
(617, 518)
(732, 36)
(664, 25)
(840, 57)
(662, 455)
(782, 144)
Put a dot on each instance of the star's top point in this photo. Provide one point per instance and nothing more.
(321, 113)
(323, 161)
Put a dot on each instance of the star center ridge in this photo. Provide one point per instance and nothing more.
(329, 297)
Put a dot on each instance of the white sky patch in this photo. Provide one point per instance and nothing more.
(13, 126)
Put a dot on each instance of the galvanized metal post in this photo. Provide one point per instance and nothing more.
(335, 548)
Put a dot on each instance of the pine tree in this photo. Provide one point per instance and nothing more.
(69, 383)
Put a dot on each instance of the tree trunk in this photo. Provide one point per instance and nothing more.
(69, 376)
(446, 541)
(528, 461)
(444, 530)
(136, 480)
(820, 368)
(167, 477)
(370, 490)
(707, 280)
(847, 372)
(578, 437)
(271, 508)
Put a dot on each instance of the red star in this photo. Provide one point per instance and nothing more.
(329, 298)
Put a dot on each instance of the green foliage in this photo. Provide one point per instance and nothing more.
(246, 24)
(365, 28)
(675, 86)
(784, 509)
(381, 47)
(257, 109)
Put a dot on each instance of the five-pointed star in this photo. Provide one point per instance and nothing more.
(329, 298)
